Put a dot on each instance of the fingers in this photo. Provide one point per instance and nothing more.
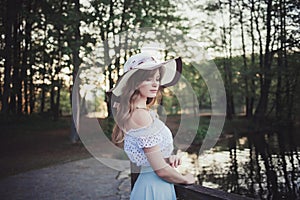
(179, 161)
(171, 160)
(174, 161)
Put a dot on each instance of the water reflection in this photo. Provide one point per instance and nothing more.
(258, 165)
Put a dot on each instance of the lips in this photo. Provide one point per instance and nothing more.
(153, 90)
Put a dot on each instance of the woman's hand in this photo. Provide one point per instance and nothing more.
(163, 166)
(189, 179)
(174, 161)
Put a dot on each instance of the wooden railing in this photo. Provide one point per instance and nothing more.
(194, 192)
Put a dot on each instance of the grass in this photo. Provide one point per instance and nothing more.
(33, 123)
(33, 142)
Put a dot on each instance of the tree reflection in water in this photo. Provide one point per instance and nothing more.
(259, 165)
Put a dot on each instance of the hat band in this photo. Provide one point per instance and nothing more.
(135, 64)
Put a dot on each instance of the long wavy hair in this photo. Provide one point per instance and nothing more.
(129, 94)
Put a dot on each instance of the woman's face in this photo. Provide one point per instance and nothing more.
(149, 87)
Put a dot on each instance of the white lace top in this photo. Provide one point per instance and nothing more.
(157, 133)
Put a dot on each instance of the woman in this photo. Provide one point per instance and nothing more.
(146, 140)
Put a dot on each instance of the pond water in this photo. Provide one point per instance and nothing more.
(257, 165)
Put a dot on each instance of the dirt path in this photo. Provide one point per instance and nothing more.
(80, 180)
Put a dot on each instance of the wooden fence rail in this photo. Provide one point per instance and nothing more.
(194, 192)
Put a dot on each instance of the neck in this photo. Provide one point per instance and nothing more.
(140, 102)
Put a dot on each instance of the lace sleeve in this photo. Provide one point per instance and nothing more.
(149, 140)
(148, 136)
(154, 134)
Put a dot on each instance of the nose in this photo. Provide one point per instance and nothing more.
(155, 83)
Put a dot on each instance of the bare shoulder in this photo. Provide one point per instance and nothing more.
(140, 118)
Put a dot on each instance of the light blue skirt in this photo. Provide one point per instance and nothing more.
(149, 186)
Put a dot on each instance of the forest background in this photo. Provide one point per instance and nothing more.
(254, 44)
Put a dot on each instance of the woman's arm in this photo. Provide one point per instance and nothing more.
(143, 118)
(164, 170)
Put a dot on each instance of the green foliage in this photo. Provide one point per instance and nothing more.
(34, 122)
(201, 133)
(65, 101)
(48, 40)
(171, 104)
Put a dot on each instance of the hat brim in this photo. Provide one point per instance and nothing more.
(171, 76)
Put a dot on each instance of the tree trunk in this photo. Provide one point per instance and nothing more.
(245, 68)
(109, 28)
(52, 96)
(26, 59)
(7, 55)
(18, 59)
(289, 92)
(57, 106)
(31, 85)
(227, 68)
(252, 82)
(228, 87)
(76, 63)
(42, 108)
(230, 95)
(57, 69)
(264, 93)
(278, 99)
(15, 97)
(32, 56)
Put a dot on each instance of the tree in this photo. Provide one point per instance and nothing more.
(8, 18)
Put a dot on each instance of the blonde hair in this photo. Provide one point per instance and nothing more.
(129, 94)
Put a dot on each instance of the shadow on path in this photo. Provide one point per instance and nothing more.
(80, 180)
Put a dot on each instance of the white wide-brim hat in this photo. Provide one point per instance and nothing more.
(144, 61)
